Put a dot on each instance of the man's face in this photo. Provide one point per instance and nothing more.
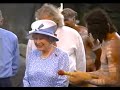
(73, 20)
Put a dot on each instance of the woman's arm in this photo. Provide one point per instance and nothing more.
(62, 81)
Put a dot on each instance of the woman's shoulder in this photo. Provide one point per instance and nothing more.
(60, 51)
(34, 52)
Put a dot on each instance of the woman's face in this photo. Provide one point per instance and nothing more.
(42, 42)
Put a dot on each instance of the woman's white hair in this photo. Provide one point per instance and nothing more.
(50, 10)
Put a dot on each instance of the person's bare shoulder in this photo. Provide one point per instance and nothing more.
(113, 50)
(114, 44)
(83, 30)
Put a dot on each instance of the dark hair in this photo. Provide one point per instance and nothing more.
(99, 24)
(68, 13)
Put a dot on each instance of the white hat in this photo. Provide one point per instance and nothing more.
(45, 27)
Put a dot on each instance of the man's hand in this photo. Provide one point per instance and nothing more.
(76, 77)
(79, 77)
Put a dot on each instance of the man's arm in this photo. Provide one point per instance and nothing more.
(112, 56)
(16, 56)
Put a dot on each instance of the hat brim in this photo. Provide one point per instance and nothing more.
(29, 36)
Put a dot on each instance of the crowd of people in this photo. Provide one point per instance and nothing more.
(88, 54)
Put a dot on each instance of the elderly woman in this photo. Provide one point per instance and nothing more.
(43, 63)
(69, 39)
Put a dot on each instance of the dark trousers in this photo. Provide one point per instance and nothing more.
(5, 82)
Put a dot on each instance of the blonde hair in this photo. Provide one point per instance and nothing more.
(52, 11)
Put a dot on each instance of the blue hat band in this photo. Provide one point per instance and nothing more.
(47, 31)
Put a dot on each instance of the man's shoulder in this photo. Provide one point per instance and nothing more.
(82, 27)
(70, 30)
(114, 43)
(5, 31)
